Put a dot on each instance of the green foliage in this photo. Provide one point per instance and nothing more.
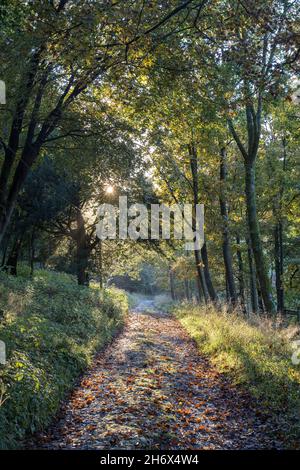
(51, 328)
(256, 353)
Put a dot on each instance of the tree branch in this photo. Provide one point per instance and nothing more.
(237, 139)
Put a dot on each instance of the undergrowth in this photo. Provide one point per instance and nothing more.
(51, 328)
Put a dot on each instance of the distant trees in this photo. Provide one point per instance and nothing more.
(227, 78)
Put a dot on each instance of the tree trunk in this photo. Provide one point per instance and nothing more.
(278, 232)
(172, 286)
(186, 289)
(82, 265)
(4, 256)
(82, 250)
(211, 290)
(227, 255)
(13, 257)
(278, 254)
(259, 296)
(31, 252)
(5, 248)
(227, 291)
(204, 281)
(249, 153)
(241, 273)
(27, 159)
(27, 83)
(100, 265)
(252, 275)
(261, 270)
(201, 285)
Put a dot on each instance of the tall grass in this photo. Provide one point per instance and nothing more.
(256, 352)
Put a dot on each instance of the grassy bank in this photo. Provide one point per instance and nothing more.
(256, 353)
(51, 328)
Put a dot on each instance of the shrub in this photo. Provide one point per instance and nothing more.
(256, 352)
(52, 328)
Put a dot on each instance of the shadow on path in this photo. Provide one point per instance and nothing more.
(151, 389)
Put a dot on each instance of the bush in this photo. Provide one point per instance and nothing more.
(51, 328)
(256, 353)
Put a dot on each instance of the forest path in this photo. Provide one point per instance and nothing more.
(151, 389)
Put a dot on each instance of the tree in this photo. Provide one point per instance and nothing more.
(226, 241)
(65, 47)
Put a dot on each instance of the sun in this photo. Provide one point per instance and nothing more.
(109, 189)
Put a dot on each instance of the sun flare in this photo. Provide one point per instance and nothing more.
(109, 189)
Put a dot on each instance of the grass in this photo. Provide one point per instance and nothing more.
(51, 328)
(256, 353)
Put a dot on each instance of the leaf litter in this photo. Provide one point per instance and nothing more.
(152, 389)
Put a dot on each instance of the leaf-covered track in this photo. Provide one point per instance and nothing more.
(152, 389)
